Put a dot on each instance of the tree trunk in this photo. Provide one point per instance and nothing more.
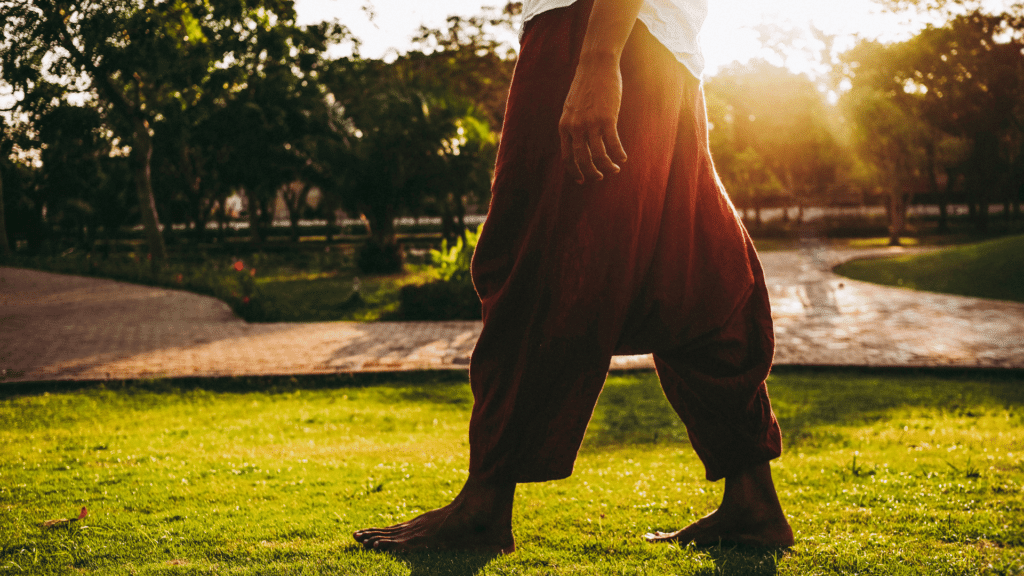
(255, 233)
(222, 218)
(447, 227)
(142, 155)
(331, 215)
(294, 201)
(897, 217)
(460, 214)
(5, 246)
(142, 144)
(382, 226)
(200, 208)
(933, 185)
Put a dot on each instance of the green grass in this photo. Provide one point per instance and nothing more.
(882, 474)
(991, 269)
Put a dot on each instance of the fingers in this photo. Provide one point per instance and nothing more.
(568, 156)
(615, 150)
(590, 153)
(583, 157)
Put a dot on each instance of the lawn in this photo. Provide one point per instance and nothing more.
(884, 473)
(991, 269)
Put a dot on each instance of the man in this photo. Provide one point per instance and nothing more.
(586, 254)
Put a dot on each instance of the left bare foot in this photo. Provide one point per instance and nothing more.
(479, 519)
(750, 515)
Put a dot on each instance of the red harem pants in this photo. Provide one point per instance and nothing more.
(653, 259)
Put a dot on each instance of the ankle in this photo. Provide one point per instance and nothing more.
(487, 503)
(752, 492)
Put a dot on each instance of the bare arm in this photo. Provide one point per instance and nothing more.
(590, 139)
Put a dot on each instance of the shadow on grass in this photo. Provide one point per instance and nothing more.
(633, 408)
(744, 560)
(444, 385)
(439, 563)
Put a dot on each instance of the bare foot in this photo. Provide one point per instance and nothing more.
(479, 519)
(750, 515)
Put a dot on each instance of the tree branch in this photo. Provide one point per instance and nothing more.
(102, 79)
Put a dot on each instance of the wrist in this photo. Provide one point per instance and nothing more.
(600, 57)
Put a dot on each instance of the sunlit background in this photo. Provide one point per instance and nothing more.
(730, 32)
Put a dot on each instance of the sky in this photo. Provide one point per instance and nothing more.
(728, 33)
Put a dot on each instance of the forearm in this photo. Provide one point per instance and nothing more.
(590, 138)
(611, 22)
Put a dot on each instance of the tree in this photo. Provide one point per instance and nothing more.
(950, 85)
(112, 47)
(407, 142)
(147, 63)
(6, 145)
(773, 136)
(469, 59)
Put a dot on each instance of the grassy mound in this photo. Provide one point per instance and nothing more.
(992, 269)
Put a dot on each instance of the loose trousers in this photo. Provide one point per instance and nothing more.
(653, 259)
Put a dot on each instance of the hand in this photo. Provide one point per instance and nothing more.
(590, 138)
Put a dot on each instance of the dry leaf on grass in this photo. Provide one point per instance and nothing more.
(65, 521)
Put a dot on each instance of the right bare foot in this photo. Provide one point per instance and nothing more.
(750, 515)
(479, 519)
(722, 528)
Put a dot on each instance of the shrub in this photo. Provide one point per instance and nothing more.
(439, 301)
(453, 262)
(453, 296)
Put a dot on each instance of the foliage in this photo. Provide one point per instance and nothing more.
(439, 301)
(773, 136)
(453, 262)
(412, 144)
(453, 296)
(945, 102)
(882, 474)
(992, 269)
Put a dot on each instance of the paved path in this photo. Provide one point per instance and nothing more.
(56, 327)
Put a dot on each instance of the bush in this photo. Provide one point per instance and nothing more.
(439, 301)
(453, 262)
(453, 296)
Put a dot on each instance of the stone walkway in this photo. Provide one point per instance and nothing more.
(55, 327)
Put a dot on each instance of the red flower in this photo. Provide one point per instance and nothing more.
(245, 300)
(239, 266)
(252, 272)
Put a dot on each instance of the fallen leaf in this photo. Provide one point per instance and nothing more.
(65, 521)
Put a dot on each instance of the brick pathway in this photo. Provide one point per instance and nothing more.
(55, 327)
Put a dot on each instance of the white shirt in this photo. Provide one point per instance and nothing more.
(674, 23)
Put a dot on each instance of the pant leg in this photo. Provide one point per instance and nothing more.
(652, 258)
(558, 263)
(703, 310)
(716, 384)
